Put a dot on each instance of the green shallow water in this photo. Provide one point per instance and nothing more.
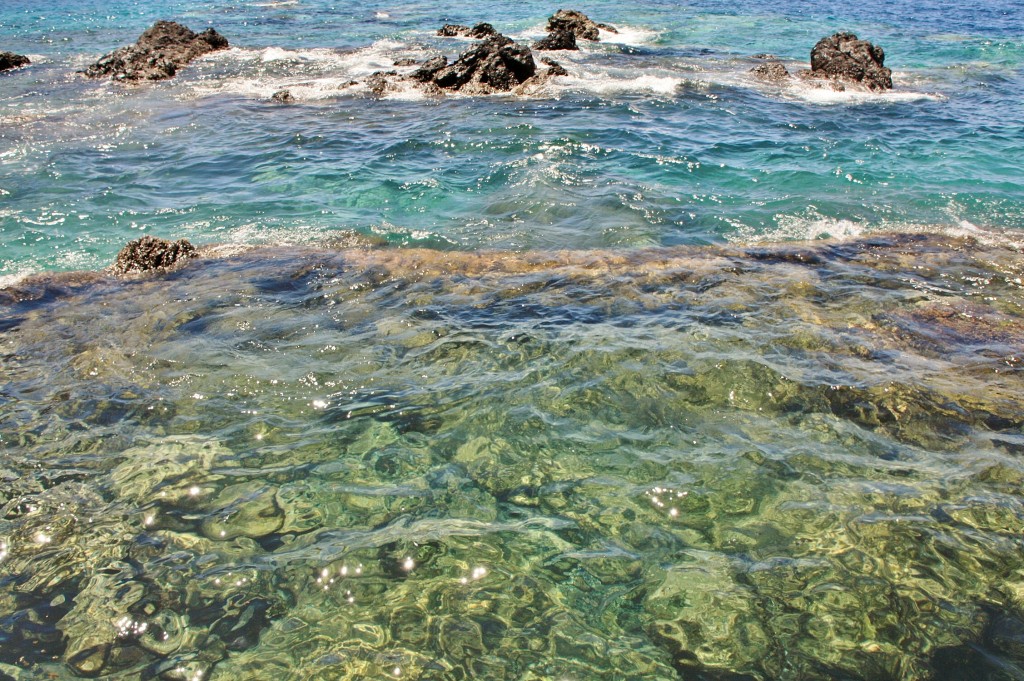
(780, 462)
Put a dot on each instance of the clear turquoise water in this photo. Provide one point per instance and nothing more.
(662, 141)
(660, 373)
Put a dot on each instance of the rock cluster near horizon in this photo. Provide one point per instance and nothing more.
(839, 60)
(150, 253)
(10, 60)
(158, 54)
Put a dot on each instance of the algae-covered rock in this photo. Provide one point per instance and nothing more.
(247, 509)
(150, 253)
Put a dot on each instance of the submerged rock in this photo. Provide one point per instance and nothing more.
(164, 48)
(577, 23)
(557, 40)
(843, 57)
(282, 97)
(482, 30)
(772, 71)
(9, 60)
(151, 253)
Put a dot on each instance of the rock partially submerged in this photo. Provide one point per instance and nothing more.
(482, 30)
(843, 58)
(150, 253)
(164, 48)
(577, 23)
(557, 40)
(9, 60)
(771, 71)
(498, 64)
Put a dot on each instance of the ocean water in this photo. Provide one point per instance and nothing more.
(658, 372)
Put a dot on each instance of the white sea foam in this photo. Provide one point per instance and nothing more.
(630, 35)
(817, 227)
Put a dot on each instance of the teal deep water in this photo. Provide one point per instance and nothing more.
(660, 372)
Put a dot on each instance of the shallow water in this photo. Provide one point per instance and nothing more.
(657, 372)
(767, 462)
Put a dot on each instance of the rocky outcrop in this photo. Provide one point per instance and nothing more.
(554, 68)
(150, 253)
(459, 31)
(771, 71)
(9, 60)
(496, 65)
(843, 58)
(557, 40)
(158, 54)
(577, 23)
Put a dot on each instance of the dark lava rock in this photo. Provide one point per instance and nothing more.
(426, 72)
(460, 31)
(380, 82)
(773, 72)
(554, 68)
(282, 97)
(151, 253)
(577, 23)
(496, 65)
(557, 40)
(164, 48)
(405, 62)
(843, 57)
(9, 60)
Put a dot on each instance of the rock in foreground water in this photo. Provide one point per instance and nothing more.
(9, 60)
(845, 58)
(557, 40)
(151, 253)
(158, 54)
(483, 30)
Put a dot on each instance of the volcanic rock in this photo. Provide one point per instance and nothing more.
(150, 253)
(496, 65)
(577, 23)
(843, 57)
(483, 30)
(426, 72)
(554, 68)
(772, 71)
(9, 60)
(164, 48)
(282, 97)
(557, 40)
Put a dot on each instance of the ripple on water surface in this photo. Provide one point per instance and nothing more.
(788, 461)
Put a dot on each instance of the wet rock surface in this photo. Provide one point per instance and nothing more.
(482, 30)
(577, 23)
(771, 71)
(844, 58)
(150, 253)
(557, 40)
(10, 60)
(160, 52)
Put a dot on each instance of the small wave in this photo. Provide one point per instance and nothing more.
(631, 35)
(815, 94)
(817, 227)
(606, 83)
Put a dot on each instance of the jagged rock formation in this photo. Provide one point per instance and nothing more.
(9, 60)
(843, 58)
(164, 48)
(577, 23)
(482, 30)
(150, 253)
(557, 40)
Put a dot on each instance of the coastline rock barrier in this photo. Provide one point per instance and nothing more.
(159, 53)
(577, 23)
